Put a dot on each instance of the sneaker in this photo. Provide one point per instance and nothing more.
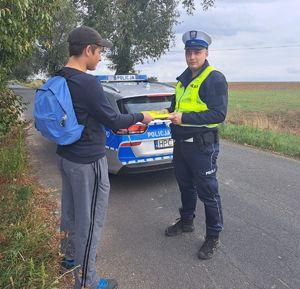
(107, 284)
(209, 247)
(181, 226)
(66, 265)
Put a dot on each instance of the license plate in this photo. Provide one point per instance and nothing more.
(163, 143)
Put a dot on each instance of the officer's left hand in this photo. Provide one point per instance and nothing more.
(175, 117)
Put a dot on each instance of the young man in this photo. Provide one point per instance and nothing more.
(200, 105)
(83, 164)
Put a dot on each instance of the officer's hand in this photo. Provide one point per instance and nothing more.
(175, 117)
(147, 118)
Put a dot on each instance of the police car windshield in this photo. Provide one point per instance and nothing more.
(144, 103)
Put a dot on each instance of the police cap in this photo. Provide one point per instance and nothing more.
(196, 39)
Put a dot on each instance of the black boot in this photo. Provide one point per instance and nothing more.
(209, 247)
(181, 226)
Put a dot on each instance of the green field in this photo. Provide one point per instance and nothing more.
(267, 101)
(275, 108)
(268, 118)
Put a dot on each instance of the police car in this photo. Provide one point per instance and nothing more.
(140, 147)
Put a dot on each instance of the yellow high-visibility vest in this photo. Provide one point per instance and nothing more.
(188, 100)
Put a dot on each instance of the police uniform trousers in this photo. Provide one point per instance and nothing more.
(195, 170)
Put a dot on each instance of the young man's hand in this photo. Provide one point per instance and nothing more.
(175, 117)
(164, 111)
(147, 118)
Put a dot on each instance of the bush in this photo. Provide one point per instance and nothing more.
(11, 108)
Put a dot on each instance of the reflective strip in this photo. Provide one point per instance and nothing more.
(155, 122)
(195, 125)
(147, 160)
(111, 148)
(189, 140)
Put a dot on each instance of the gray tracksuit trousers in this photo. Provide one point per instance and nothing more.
(85, 191)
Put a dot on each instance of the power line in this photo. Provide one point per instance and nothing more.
(255, 48)
(247, 48)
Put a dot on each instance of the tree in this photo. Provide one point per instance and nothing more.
(22, 70)
(190, 4)
(140, 29)
(152, 79)
(51, 57)
(51, 49)
(21, 23)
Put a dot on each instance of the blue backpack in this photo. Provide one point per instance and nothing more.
(54, 113)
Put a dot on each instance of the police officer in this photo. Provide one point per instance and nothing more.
(199, 107)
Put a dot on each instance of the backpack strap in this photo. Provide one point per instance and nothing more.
(64, 74)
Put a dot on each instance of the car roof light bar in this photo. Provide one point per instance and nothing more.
(122, 77)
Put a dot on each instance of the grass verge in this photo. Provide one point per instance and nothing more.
(279, 142)
(12, 157)
(28, 235)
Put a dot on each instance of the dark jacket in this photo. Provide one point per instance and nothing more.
(214, 93)
(95, 112)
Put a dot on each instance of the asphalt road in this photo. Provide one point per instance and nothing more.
(260, 244)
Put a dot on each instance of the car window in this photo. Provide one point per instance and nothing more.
(144, 103)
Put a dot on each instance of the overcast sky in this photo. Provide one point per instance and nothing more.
(254, 40)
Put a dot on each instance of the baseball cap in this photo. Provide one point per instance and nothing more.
(87, 35)
(195, 39)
